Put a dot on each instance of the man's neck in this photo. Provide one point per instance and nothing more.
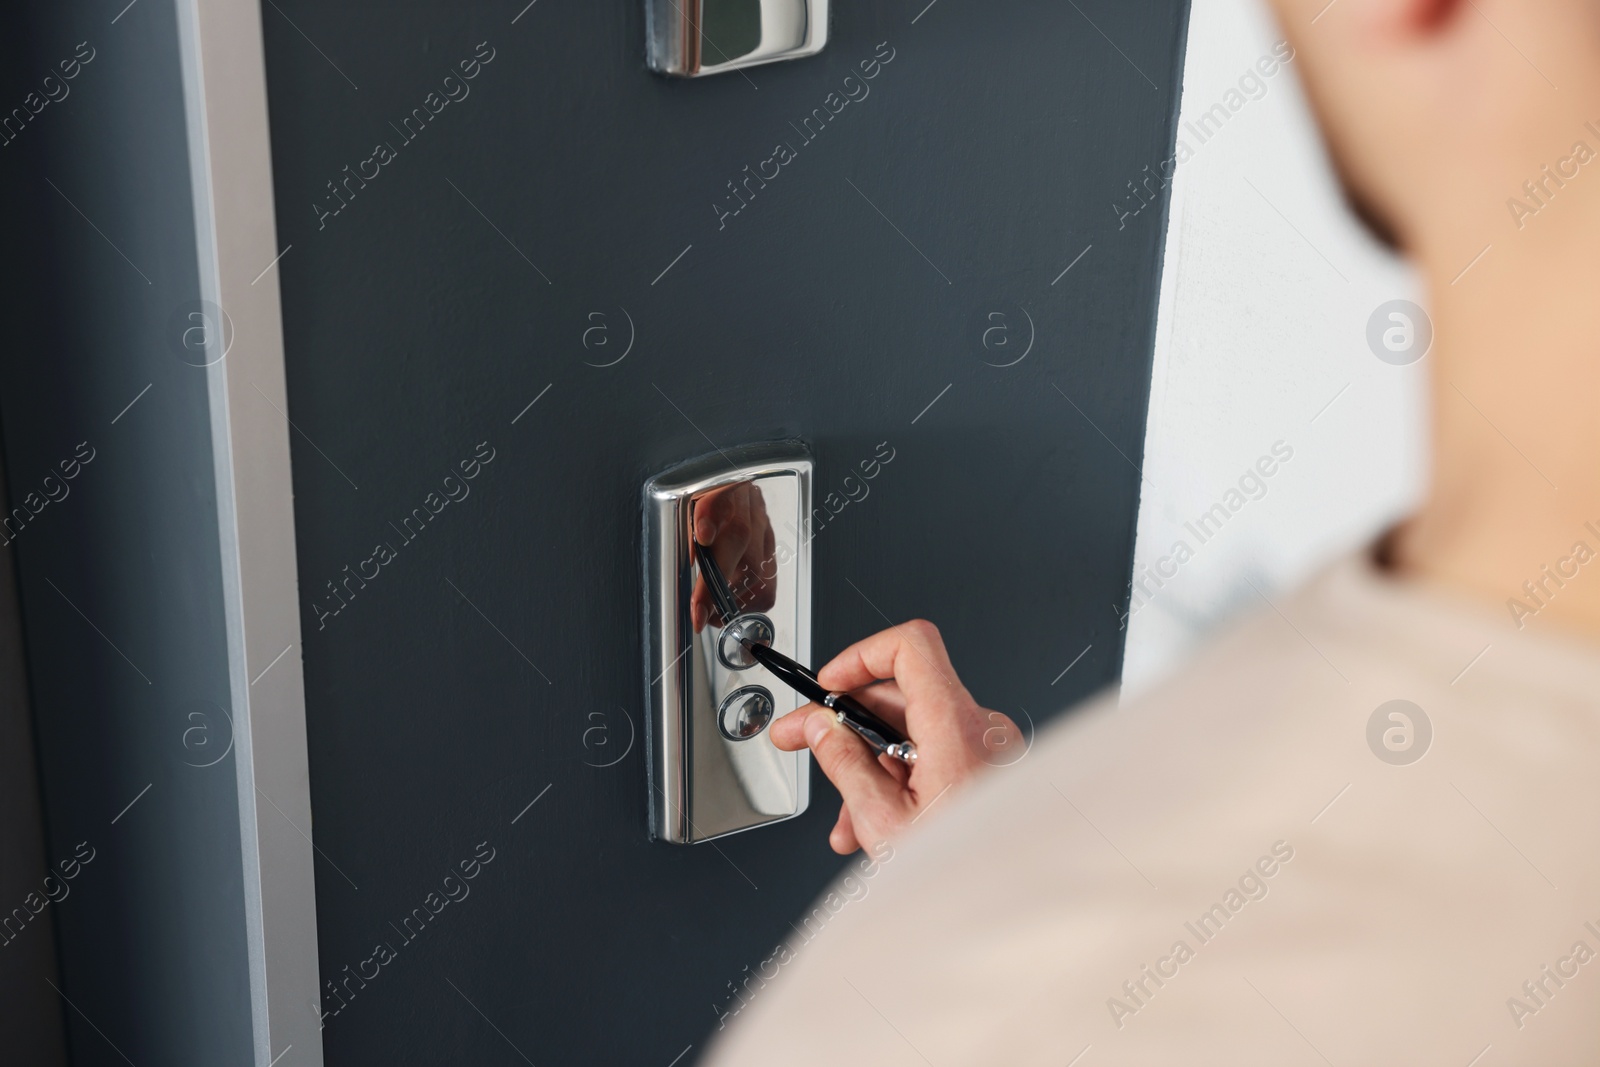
(1514, 510)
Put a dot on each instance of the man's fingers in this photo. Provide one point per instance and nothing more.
(899, 770)
(843, 837)
(709, 512)
(732, 539)
(912, 653)
(714, 509)
(886, 701)
(700, 605)
(789, 732)
(870, 791)
(756, 586)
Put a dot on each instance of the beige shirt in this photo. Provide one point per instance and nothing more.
(1225, 871)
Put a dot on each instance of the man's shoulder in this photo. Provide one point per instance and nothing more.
(1315, 810)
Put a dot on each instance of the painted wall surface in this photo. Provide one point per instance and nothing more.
(1262, 344)
(31, 1028)
(522, 274)
(107, 446)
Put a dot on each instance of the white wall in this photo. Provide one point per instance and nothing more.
(1259, 327)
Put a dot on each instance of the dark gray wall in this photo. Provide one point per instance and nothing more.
(120, 580)
(455, 286)
(31, 1026)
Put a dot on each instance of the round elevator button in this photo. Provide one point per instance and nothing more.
(745, 713)
(730, 646)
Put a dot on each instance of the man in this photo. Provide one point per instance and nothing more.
(1364, 826)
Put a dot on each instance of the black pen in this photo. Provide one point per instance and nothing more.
(879, 735)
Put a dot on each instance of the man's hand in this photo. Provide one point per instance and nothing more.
(904, 676)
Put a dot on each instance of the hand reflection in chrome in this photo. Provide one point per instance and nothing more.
(731, 522)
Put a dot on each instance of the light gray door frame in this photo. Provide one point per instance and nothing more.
(225, 97)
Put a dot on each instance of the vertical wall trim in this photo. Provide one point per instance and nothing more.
(225, 99)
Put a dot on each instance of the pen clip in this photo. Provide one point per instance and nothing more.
(904, 751)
